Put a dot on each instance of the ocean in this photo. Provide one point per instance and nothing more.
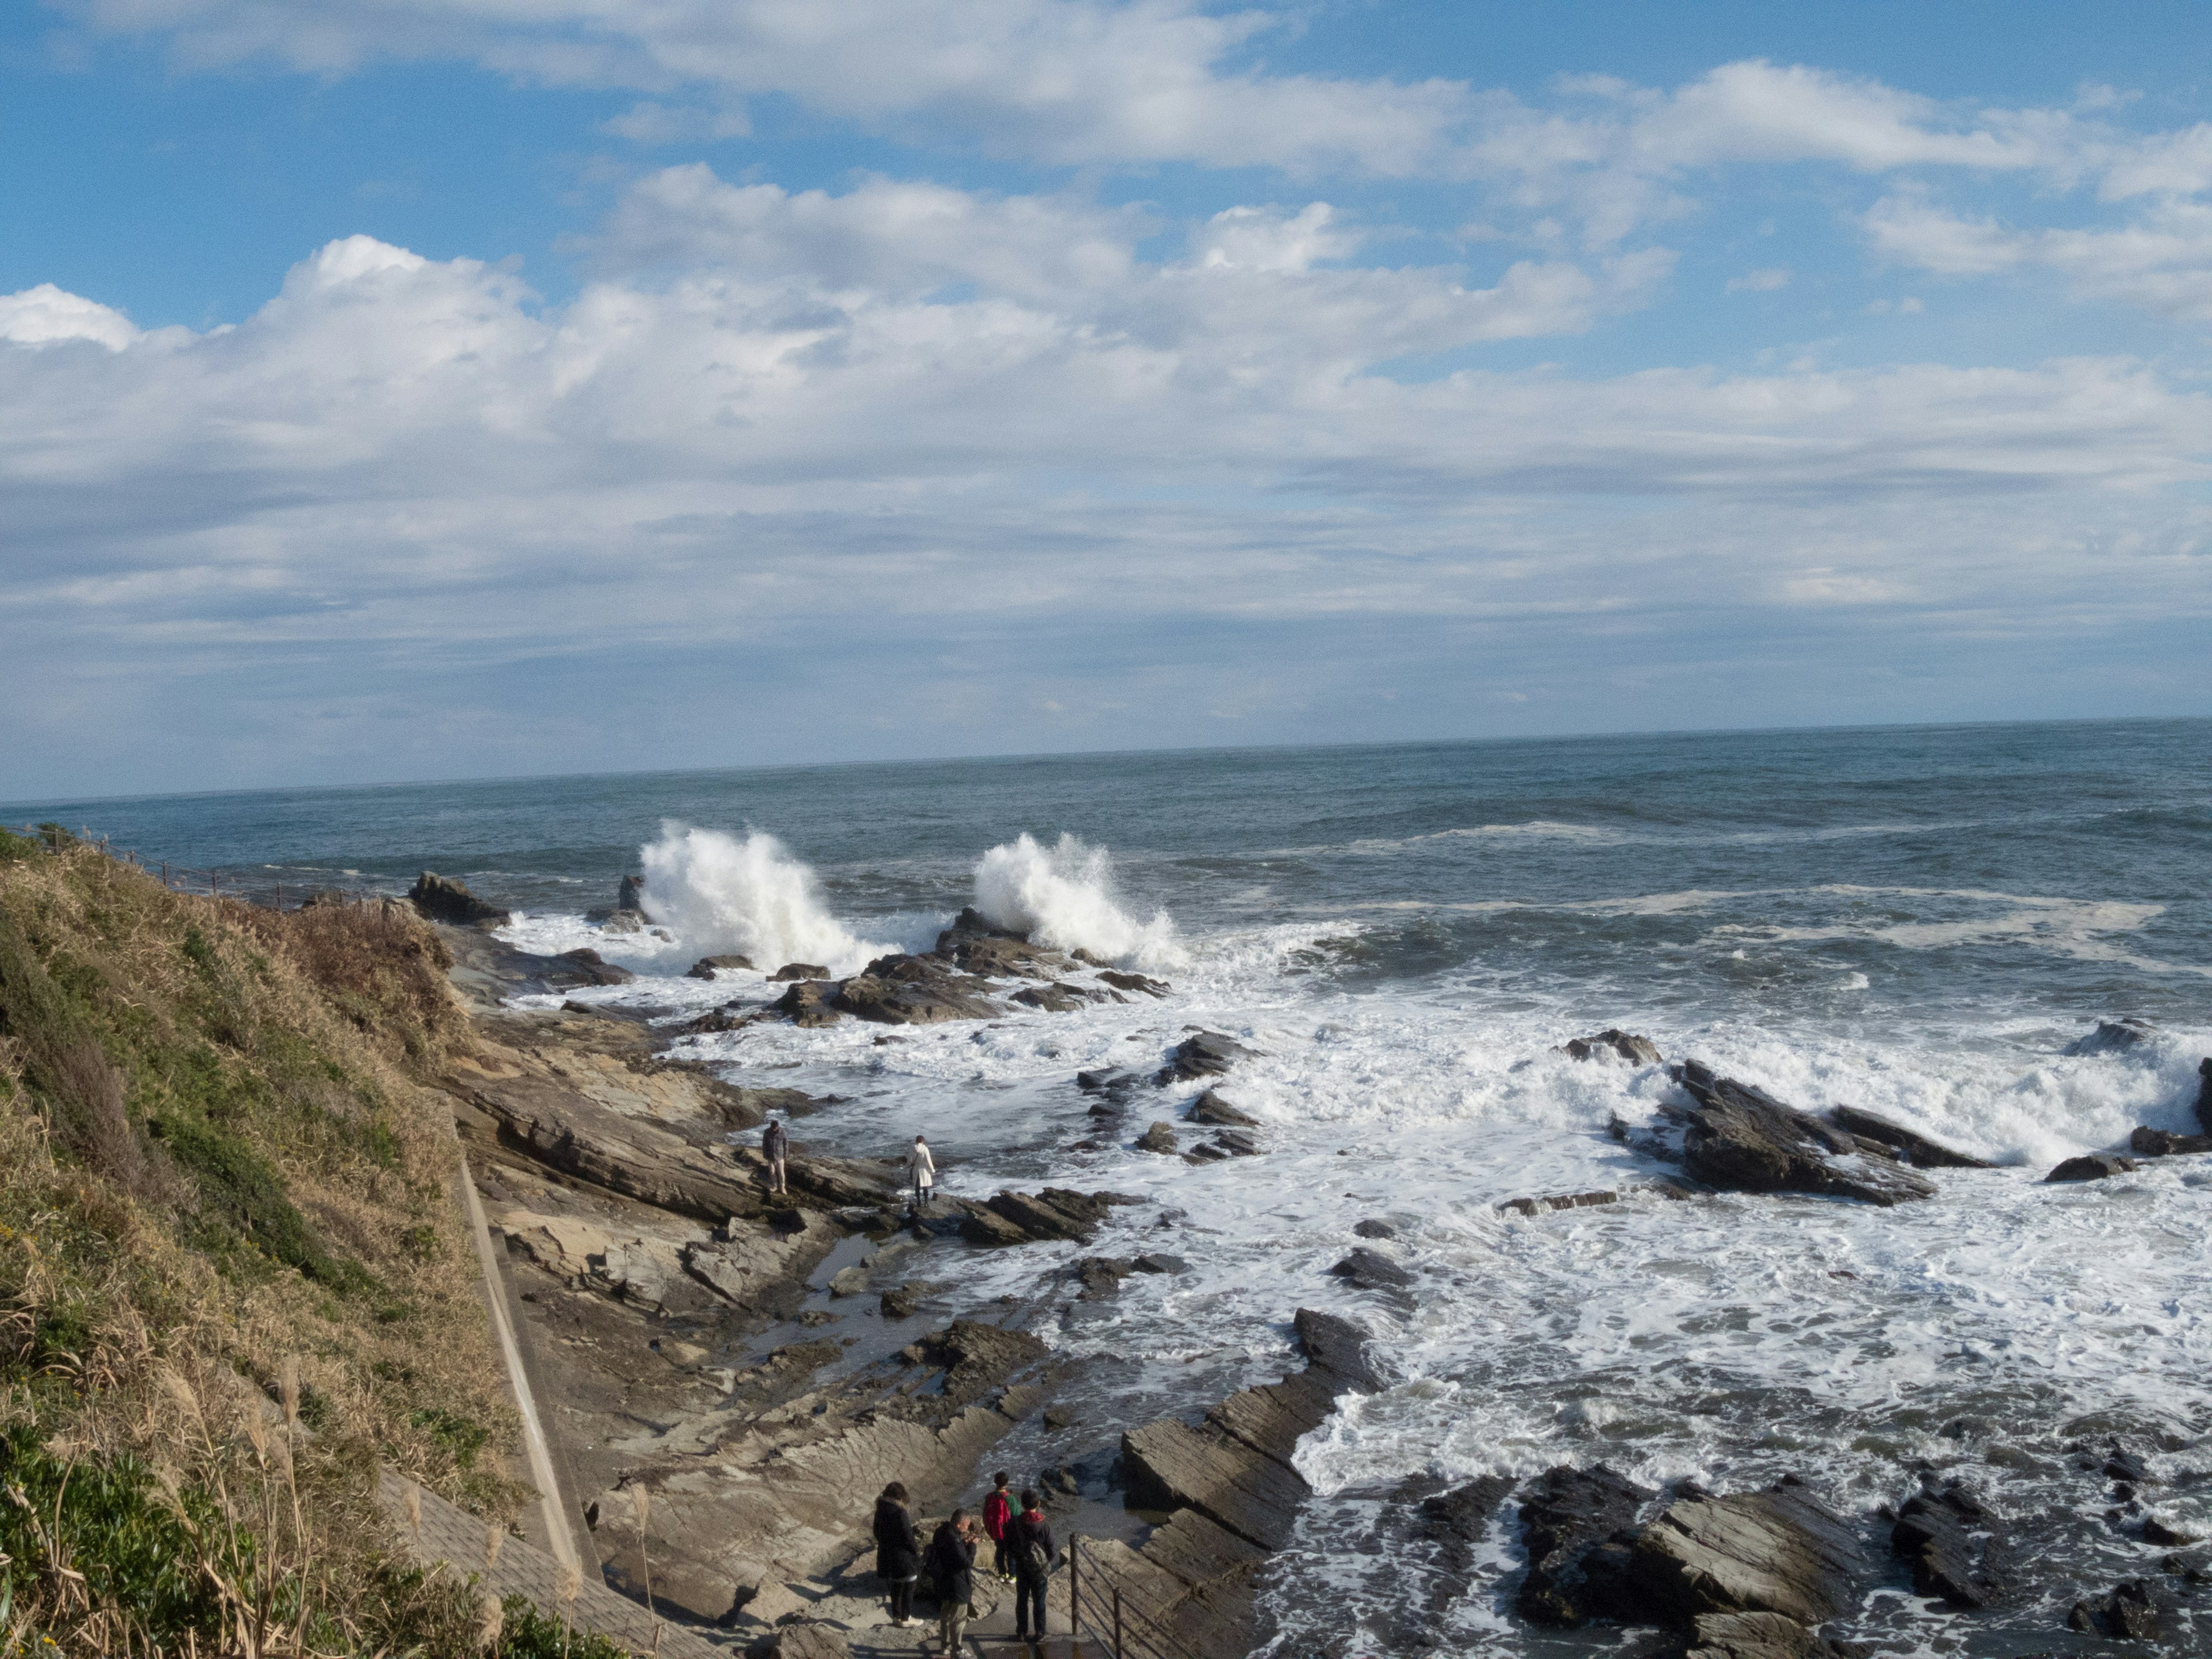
(1916, 920)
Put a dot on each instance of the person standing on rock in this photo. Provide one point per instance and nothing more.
(952, 1564)
(1029, 1537)
(898, 1553)
(997, 1515)
(775, 1147)
(921, 1168)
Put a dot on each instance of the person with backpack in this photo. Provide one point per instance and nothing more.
(998, 1515)
(952, 1564)
(898, 1553)
(776, 1146)
(1031, 1535)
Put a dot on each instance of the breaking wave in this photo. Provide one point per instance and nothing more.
(1062, 895)
(750, 897)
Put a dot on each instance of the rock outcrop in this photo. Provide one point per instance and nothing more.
(587, 967)
(2147, 1142)
(1207, 1054)
(2092, 1166)
(1210, 1107)
(1533, 1207)
(1952, 1545)
(1578, 1525)
(1616, 1043)
(2128, 1613)
(1365, 1269)
(1773, 1552)
(1234, 1467)
(1744, 1139)
(775, 1499)
(2204, 1094)
(1910, 1145)
(1054, 1212)
(440, 899)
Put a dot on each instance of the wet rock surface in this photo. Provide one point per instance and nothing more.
(1952, 1545)
(2127, 1613)
(1773, 1552)
(2092, 1166)
(1234, 1470)
(1915, 1148)
(1211, 1109)
(2204, 1094)
(1578, 1525)
(2147, 1142)
(1743, 1139)
(1613, 1044)
(1204, 1055)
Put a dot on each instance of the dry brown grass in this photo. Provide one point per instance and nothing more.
(229, 1239)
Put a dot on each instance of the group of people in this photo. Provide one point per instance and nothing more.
(775, 1152)
(1023, 1554)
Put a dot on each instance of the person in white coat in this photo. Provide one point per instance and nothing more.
(921, 1170)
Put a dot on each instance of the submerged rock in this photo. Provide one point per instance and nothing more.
(2112, 1037)
(1372, 1228)
(1577, 1525)
(1454, 1523)
(1618, 1044)
(1058, 997)
(440, 899)
(1742, 1139)
(1558, 1201)
(2092, 1166)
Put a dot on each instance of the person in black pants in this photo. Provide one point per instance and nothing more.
(898, 1553)
(1033, 1551)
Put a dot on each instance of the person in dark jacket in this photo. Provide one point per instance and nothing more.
(898, 1554)
(952, 1564)
(775, 1147)
(1030, 1540)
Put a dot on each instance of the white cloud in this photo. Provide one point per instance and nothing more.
(47, 315)
(2160, 263)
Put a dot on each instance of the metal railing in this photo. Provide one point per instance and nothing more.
(1116, 1617)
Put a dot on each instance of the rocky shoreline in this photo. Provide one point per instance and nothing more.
(736, 1495)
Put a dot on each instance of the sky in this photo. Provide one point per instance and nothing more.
(395, 389)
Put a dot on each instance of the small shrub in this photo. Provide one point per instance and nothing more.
(526, 1633)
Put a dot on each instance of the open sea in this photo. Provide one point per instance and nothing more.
(1917, 920)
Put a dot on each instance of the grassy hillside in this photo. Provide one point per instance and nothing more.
(233, 1276)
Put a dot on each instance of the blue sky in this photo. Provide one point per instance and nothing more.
(392, 389)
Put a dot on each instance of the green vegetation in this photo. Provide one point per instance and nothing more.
(234, 1282)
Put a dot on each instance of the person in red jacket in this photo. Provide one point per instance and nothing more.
(998, 1513)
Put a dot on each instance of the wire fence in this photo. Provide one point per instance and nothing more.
(269, 887)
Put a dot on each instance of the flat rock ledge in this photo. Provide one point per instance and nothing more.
(1230, 1491)
(1776, 1553)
